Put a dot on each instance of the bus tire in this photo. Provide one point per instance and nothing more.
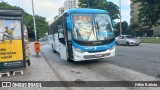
(53, 49)
(68, 59)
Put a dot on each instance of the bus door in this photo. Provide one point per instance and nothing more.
(62, 43)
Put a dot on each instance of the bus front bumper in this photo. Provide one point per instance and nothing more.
(96, 55)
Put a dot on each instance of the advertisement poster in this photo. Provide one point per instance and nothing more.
(10, 40)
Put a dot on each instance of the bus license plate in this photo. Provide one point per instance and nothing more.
(98, 55)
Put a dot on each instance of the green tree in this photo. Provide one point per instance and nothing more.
(41, 23)
(6, 5)
(149, 12)
(125, 28)
(133, 28)
(112, 8)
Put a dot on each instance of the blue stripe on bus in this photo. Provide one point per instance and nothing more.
(94, 48)
(69, 23)
(84, 10)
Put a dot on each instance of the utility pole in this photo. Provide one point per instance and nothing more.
(36, 43)
(120, 17)
(34, 22)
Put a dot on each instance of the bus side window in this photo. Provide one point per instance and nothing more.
(69, 35)
(61, 34)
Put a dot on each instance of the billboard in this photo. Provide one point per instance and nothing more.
(11, 43)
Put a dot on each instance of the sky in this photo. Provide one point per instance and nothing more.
(49, 8)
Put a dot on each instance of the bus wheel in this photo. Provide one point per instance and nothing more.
(68, 59)
(53, 49)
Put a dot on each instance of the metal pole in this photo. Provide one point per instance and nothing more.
(34, 22)
(120, 17)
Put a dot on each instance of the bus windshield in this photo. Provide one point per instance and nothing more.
(92, 27)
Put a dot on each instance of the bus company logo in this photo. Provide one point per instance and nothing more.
(6, 84)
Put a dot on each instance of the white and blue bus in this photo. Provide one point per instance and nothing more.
(82, 34)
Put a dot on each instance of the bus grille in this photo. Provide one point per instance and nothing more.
(94, 56)
(95, 51)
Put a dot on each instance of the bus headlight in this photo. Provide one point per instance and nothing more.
(78, 50)
(112, 48)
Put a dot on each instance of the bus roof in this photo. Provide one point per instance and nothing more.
(85, 10)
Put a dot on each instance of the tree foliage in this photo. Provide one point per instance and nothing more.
(125, 28)
(112, 8)
(149, 11)
(133, 27)
(41, 23)
(124, 25)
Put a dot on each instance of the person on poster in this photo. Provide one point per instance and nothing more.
(8, 33)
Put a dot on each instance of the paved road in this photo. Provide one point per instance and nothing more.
(144, 58)
(131, 63)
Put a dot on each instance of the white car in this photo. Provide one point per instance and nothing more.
(127, 40)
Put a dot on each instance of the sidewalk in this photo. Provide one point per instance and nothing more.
(37, 71)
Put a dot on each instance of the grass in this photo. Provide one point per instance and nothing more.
(150, 40)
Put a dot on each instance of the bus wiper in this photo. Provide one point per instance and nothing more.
(93, 28)
(97, 26)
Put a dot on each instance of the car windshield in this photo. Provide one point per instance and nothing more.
(92, 27)
(130, 37)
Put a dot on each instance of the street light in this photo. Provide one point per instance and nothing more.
(34, 22)
(120, 17)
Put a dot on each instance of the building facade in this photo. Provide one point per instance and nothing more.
(143, 30)
(70, 4)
